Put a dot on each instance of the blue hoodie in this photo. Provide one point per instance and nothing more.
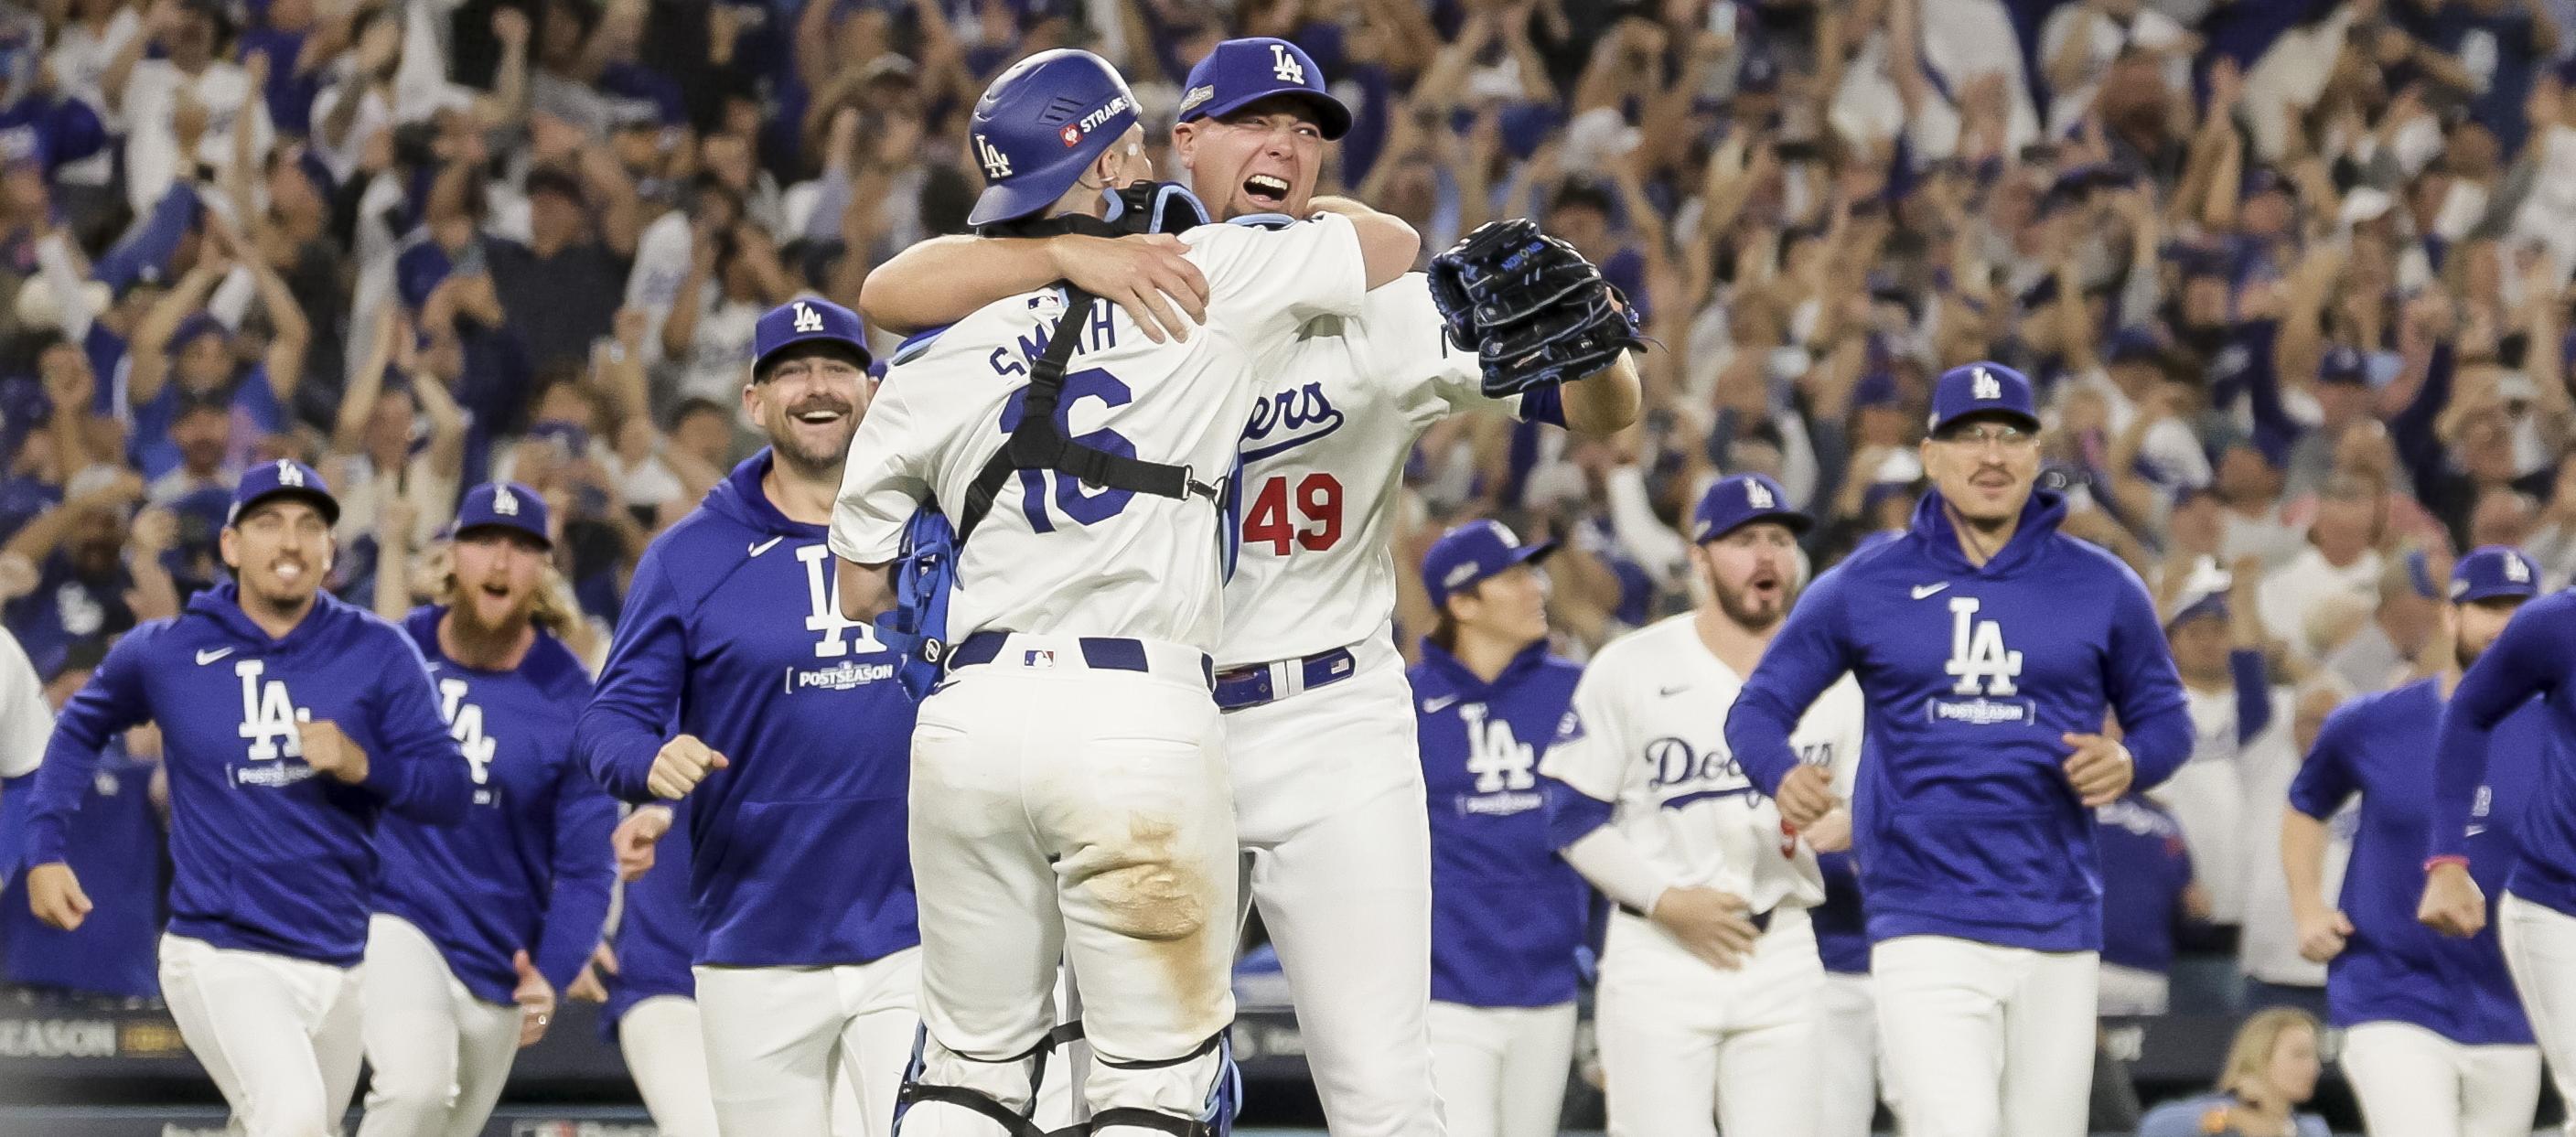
(268, 856)
(530, 867)
(2534, 658)
(1507, 913)
(732, 633)
(1964, 824)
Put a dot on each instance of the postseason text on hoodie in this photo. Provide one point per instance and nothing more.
(1964, 823)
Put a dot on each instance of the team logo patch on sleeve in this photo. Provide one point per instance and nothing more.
(1570, 728)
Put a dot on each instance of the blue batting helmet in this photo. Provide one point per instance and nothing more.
(1040, 125)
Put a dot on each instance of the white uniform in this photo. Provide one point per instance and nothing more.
(1683, 1043)
(1069, 791)
(1328, 781)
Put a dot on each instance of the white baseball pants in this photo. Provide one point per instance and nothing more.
(1501, 1070)
(1985, 1040)
(1848, 1057)
(279, 1036)
(2540, 949)
(1328, 795)
(440, 1055)
(2412, 1082)
(776, 1037)
(666, 1055)
(1063, 812)
(1687, 1049)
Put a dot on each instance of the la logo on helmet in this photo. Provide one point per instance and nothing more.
(807, 319)
(1285, 66)
(997, 165)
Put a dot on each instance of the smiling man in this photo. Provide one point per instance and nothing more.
(1991, 650)
(289, 721)
(735, 682)
(1320, 735)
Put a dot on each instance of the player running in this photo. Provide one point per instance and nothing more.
(782, 725)
(1710, 977)
(289, 721)
(1506, 913)
(2434, 1041)
(2535, 657)
(1989, 648)
(479, 925)
(1319, 721)
(1070, 793)
(651, 1009)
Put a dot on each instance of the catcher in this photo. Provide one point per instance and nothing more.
(1319, 716)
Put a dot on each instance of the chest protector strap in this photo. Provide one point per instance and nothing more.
(1037, 443)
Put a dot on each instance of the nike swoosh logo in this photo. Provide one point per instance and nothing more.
(763, 547)
(209, 655)
(1923, 590)
(2475, 830)
(1669, 692)
(1435, 706)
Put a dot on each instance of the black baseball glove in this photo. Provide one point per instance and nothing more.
(1531, 308)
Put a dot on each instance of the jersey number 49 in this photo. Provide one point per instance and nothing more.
(1317, 507)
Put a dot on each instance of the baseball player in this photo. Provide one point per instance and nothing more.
(652, 998)
(1710, 976)
(1850, 1075)
(477, 926)
(734, 682)
(289, 721)
(117, 849)
(1069, 767)
(2474, 795)
(1506, 912)
(1989, 648)
(2434, 1041)
(1319, 721)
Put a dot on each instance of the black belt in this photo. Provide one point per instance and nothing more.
(1761, 920)
(1103, 653)
(1250, 686)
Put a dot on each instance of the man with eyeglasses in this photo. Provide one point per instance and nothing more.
(1993, 652)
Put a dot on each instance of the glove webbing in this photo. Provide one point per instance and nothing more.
(1038, 444)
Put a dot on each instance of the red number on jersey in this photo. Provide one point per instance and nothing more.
(1317, 526)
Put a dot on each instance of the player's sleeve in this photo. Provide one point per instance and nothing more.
(25, 720)
(882, 486)
(1269, 282)
(631, 712)
(110, 703)
(2526, 660)
(2325, 780)
(2253, 693)
(418, 771)
(1401, 339)
(1811, 651)
(1581, 766)
(585, 871)
(2144, 687)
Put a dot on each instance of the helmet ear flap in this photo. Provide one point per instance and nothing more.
(1155, 207)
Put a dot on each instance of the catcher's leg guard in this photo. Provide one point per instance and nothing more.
(1216, 1115)
(996, 1082)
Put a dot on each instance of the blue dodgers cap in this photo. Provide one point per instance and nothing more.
(285, 477)
(1241, 72)
(806, 319)
(1472, 552)
(1735, 502)
(1039, 125)
(1982, 389)
(503, 505)
(2491, 572)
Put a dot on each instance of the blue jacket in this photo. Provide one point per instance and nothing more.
(2146, 868)
(2536, 656)
(656, 932)
(732, 633)
(2393, 968)
(1507, 913)
(118, 852)
(530, 867)
(267, 856)
(1964, 824)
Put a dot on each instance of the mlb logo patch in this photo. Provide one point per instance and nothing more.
(1071, 134)
(1037, 659)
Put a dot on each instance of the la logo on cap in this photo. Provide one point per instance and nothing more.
(1285, 66)
(506, 503)
(807, 319)
(2515, 571)
(1985, 386)
(287, 474)
(1758, 497)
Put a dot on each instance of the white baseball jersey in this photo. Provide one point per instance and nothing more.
(1323, 458)
(1055, 555)
(1649, 737)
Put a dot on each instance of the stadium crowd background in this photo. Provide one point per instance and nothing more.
(2293, 275)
